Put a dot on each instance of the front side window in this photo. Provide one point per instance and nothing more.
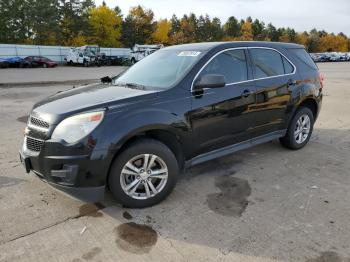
(267, 63)
(232, 64)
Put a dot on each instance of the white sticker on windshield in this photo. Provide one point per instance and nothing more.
(189, 53)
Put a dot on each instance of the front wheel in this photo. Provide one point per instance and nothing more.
(144, 174)
(299, 130)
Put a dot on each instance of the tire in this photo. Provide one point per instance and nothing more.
(44, 65)
(86, 63)
(133, 61)
(117, 180)
(290, 140)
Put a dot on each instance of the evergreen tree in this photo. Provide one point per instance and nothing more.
(44, 17)
(258, 30)
(232, 28)
(74, 16)
(138, 27)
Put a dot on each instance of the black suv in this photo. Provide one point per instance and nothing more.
(176, 108)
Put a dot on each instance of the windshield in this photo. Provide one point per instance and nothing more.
(160, 70)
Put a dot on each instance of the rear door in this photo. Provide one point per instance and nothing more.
(221, 116)
(274, 78)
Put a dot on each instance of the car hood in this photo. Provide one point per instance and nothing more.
(86, 98)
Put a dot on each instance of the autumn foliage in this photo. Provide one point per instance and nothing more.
(79, 22)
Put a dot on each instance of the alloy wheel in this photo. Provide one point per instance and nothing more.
(302, 129)
(144, 176)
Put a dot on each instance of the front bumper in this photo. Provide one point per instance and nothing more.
(77, 170)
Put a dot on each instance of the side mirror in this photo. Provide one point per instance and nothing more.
(209, 81)
(106, 80)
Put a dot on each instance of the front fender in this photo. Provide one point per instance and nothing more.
(119, 127)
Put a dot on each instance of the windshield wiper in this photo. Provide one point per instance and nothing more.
(131, 85)
(136, 86)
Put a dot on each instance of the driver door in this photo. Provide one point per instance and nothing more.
(222, 116)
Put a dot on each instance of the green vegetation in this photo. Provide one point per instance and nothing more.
(79, 22)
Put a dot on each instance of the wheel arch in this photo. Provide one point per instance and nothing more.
(167, 137)
(311, 104)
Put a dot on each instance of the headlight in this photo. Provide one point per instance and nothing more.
(74, 128)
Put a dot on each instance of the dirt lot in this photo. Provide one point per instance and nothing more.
(262, 204)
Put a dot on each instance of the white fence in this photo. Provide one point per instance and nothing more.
(55, 53)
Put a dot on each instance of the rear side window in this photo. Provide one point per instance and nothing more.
(304, 56)
(288, 68)
(266, 62)
(232, 64)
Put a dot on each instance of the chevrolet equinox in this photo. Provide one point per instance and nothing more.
(181, 106)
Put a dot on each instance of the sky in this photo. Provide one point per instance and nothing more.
(330, 15)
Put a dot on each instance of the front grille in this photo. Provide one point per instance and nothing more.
(38, 122)
(34, 144)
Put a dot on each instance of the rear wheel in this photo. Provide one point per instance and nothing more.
(299, 130)
(143, 174)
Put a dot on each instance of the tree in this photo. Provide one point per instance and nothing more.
(15, 25)
(79, 40)
(118, 11)
(74, 22)
(246, 31)
(175, 25)
(208, 30)
(138, 26)
(302, 39)
(106, 26)
(314, 41)
(44, 17)
(189, 28)
(161, 35)
(258, 30)
(231, 28)
(271, 33)
(333, 43)
(216, 30)
(78, 22)
(286, 35)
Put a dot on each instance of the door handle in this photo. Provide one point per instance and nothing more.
(247, 93)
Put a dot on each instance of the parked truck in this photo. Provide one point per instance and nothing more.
(91, 55)
(141, 51)
(84, 55)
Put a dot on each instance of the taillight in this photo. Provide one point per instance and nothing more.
(321, 76)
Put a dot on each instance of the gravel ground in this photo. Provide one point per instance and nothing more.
(262, 204)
